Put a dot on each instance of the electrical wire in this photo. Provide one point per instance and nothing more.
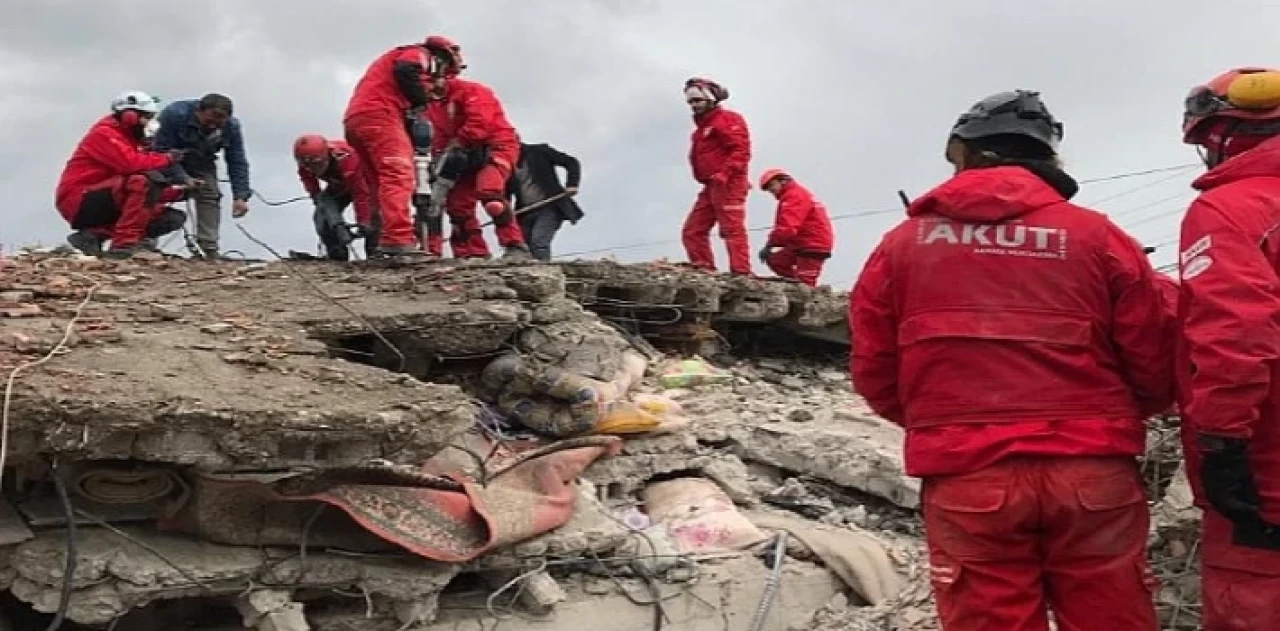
(324, 294)
(70, 563)
(13, 375)
(1176, 169)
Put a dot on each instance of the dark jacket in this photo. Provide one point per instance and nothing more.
(540, 161)
(180, 130)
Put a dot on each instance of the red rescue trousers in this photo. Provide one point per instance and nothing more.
(384, 147)
(805, 267)
(486, 186)
(117, 209)
(1029, 534)
(1239, 586)
(724, 204)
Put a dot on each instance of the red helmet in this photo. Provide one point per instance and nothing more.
(1240, 94)
(698, 87)
(769, 175)
(311, 151)
(446, 56)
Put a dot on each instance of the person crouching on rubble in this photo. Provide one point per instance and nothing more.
(475, 149)
(802, 237)
(1021, 340)
(111, 187)
(333, 162)
(719, 154)
(1229, 352)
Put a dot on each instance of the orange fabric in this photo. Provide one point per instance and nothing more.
(1010, 542)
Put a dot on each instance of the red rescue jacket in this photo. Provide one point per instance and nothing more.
(107, 150)
(345, 176)
(999, 319)
(380, 91)
(469, 115)
(721, 145)
(801, 222)
(1229, 354)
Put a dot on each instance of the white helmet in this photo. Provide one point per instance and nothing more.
(137, 101)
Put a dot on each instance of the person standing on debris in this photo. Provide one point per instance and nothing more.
(802, 237)
(334, 163)
(1229, 352)
(719, 154)
(475, 149)
(1021, 340)
(111, 188)
(392, 93)
(203, 127)
(535, 181)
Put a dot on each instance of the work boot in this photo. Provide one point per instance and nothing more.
(86, 242)
(129, 251)
(516, 252)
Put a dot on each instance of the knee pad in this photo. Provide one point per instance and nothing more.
(169, 220)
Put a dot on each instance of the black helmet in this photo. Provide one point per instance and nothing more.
(1019, 113)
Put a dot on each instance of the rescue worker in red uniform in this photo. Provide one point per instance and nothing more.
(719, 153)
(475, 149)
(112, 188)
(1020, 340)
(802, 238)
(392, 92)
(1229, 351)
(346, 184)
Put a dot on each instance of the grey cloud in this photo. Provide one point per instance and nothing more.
(855, 102)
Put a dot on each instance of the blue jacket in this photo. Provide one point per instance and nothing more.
(179, 130)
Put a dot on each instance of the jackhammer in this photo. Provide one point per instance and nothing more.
(428, 222)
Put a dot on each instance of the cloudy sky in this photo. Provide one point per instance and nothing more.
(854, 102)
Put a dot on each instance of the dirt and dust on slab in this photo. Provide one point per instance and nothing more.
(454, 445)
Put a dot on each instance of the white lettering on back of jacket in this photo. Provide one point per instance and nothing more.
(1003, 239)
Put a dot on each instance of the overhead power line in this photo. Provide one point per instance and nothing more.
(1176, 169)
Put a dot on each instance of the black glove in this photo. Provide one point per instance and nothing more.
(765, 253)
(1226, 478)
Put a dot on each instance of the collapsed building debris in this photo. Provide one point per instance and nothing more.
(320, 446)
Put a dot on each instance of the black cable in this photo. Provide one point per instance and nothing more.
(291, 200)
(69, 566)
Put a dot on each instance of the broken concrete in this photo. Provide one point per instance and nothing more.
(115, 574)
(232, 367)
(725, 595)
(694, 297)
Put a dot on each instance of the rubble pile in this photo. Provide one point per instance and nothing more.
(450, 445)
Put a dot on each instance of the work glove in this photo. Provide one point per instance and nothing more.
(364, 231)
(177, 155)
(1227, 481)
(156, 177)
(765, 253)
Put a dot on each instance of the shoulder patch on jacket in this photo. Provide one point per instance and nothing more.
(1196, 249)
(1195, 267)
